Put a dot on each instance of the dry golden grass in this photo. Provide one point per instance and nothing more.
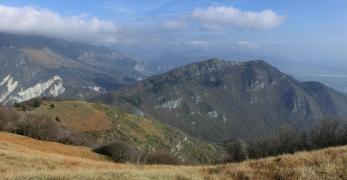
(18, 143)
(329, 163)
(25, 158)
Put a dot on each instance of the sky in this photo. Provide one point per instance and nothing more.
(308, 30)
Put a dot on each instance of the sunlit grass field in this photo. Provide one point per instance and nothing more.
(26, 158)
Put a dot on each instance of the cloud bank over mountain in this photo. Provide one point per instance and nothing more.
(211, 27)
(225, 17)
(33, 20)
(41, 21)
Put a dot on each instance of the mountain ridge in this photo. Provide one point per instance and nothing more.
(216, 100)
(79, 70)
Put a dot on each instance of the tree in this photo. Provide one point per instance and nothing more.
(16, 105)
(288, 140)
(236, 150)
(343, 134)
(304, 142)
(2, 119)
(36, 103)
(325, 135)
(37, 126)
(8, 118)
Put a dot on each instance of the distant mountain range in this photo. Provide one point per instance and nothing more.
(214, 100)
(33, 66)
(162, 60)
(217, 100)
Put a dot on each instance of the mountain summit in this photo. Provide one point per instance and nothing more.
(217, 100)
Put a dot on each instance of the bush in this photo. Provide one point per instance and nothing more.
(123, 152)
(236, 151)
(36, 103)
(2, 119)
(31, 125)
(161, 157)
(57, 119)
(330, 132)
(8, 119)
(38, 127)
(119, 151)
(17, 105)
(326, 134)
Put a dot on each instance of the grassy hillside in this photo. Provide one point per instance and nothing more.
(102, 124)
(12, 142)
(25, 158)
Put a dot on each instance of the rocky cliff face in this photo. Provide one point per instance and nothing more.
(13, 91)
(33, 66)
(217, 100)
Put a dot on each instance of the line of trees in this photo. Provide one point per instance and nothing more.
(33, 125)
(330, 132)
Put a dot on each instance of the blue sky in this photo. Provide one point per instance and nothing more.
(296, 29)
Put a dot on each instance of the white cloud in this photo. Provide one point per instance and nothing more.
(175, 24)
(31, 20)
(247, 44)
(197, 43)
(217, 17)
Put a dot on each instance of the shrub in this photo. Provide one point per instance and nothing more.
(8, 118)
(57, 119)
(329, 132)
(36, 126)
(119, 151)
(325, 135)
(161, 157)
(236, 150)
(22, 106)
(36, 103)
(2, 119)
(16, 105)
